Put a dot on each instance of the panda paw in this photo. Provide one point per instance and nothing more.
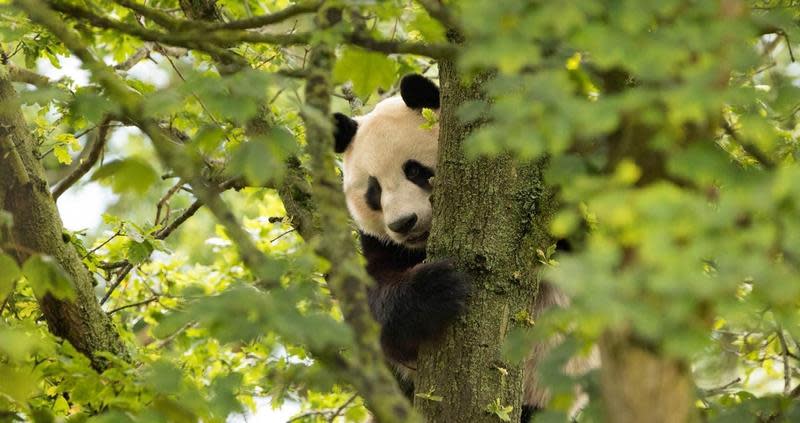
(441, 291)
(435, 296)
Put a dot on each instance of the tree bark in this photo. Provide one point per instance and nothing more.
(638, 385)
(489, 217)
(37, 228)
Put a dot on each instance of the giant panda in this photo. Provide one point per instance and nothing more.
(389, 157)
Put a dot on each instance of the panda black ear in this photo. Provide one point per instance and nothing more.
(418, 92)
(343, 131)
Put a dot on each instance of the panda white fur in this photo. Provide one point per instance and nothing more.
(388, 160)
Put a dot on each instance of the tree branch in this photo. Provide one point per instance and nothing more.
(347, 280)
(192, 209)
(270, 19)
(168, 21)
(135, 58)
(94, 154)
(750, 148)
(437, 51)
(18, 74)
(213, 41)
(188, 37)
(182, 39)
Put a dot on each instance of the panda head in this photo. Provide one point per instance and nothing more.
(388, 162)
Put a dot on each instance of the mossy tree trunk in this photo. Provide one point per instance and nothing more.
(489, 217)
(37, 229)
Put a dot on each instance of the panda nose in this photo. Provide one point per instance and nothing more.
(404, 224)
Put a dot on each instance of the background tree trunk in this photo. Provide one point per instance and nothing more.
(489, 217)
(37, 228)
(641, 386)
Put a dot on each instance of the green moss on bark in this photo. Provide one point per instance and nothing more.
(488, 217)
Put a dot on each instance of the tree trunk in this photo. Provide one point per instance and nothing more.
(489, 217)
(37, 228)
(641, 386)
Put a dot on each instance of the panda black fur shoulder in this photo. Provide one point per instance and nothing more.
(389, 157)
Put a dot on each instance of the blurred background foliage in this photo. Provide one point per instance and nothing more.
(671, 132)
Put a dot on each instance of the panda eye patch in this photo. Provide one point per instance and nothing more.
(418, 173)
(373, 195)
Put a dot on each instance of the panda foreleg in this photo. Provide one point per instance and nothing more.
(418, 307)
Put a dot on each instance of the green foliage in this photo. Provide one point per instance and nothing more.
(260, 160)
(671, 135)
(132, 174)
(367, 70)
(46, 276)
(670, 151)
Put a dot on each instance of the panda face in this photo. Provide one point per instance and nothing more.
(387, 170)
(388, 162)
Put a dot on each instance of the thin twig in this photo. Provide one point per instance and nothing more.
(137, 304)
(189, 212)
(789, 46)
(282, 235)
(164, 202)
(164, 342)
(94, 154)
(330, 414)
(120, 277)
(342, 407)
(93, 250)
(720, 389)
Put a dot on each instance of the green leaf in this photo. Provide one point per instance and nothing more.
(46, 276)
(164, 377)
(61, 406)
(18, 384)
(260, 160)
(9, 273)
(502, 412)
(43, 96)
(132, 174)
(91, 105)
(429, 396)
(62, 154)
(367, 70)
(139, 251)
